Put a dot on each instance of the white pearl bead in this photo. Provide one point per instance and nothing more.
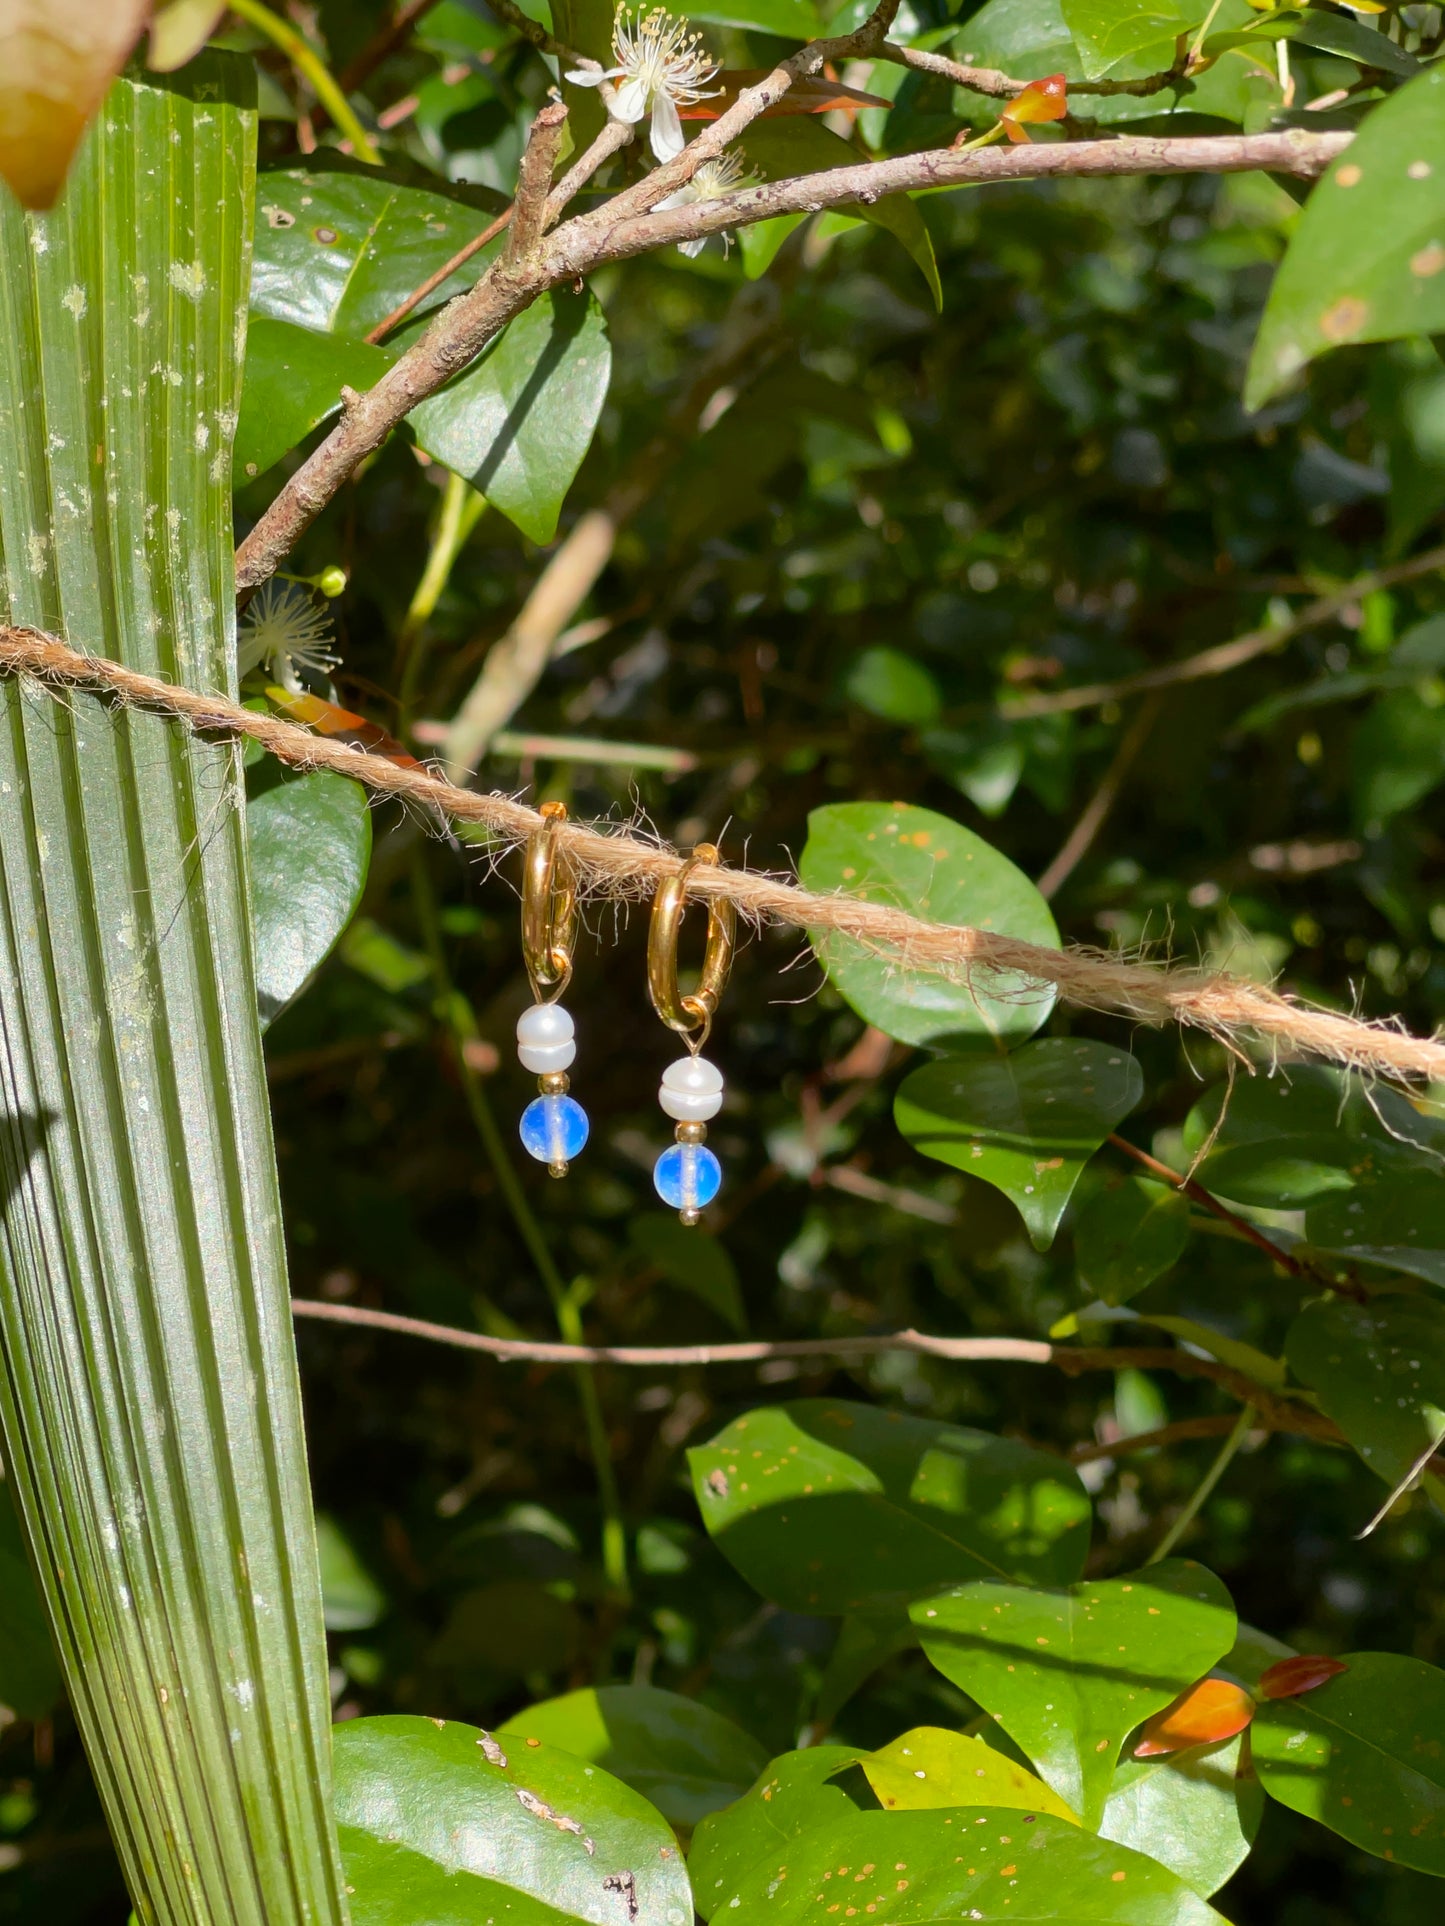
(541, 1058)
(545, 1023)
(691, 1090)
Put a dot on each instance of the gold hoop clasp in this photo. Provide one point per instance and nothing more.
(693, 1013)
(549, 907)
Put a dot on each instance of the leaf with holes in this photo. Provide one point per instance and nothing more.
(1378, 1370)
(915, 860)
(832, 1507)
(434, 1829)
(1363, 1755)
(1069, 1673)
(1367, 260)
(684, 1757)
(920, 1868)
(308, 842)
(1127, 1235)
(1027, 1123)
(1195, 1812)
(930, 1768)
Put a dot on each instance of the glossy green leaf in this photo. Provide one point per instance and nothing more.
(1192, 1811)
(1110, 32)
(917, 1868)
(1277, 1142)
(794, 1794)
(1394, 1218)
(351, 1598)
(923, 862)
(308, 847)
(685, 1758)
(1026, 1123)
(894, 686)
(799, 144)
(148, 1395)
(929, 1769)
(519, 420)
(1127, 1235)
(29, 1675)
(789, 19)
(1367, 260)
(693, 1262)
(1330, 33)
(1378, 1370)
(339, 245)
(293, 383)
(1363, 1755)
(1069, 1673)
(434, 1829)
(831, 1507)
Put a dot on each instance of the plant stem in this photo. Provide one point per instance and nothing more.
(1206, 1484)
(462, 508)
(456, 1013)
(304, 57)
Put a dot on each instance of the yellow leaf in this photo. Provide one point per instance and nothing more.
(929, 1768)
(179, 29)
(57, 57)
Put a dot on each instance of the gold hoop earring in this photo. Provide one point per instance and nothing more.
(687, 1175)
(553, 1126)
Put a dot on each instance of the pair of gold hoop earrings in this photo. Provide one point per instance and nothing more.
(554, 1125)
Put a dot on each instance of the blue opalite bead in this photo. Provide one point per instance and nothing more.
(554, 1129)
(687, 1176)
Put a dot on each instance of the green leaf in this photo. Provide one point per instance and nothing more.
(1193, 1812)
(1127, 1235)
(1378, 1370)
(513, 1629)
(794, 1794)
(1367, 260)
(518, 421)
(922, 862)
(863, 1645)
(351, 1598)
(832, 1507)
(929, 1769)
(684, 1757)
(1397, 757)
(694, 1262)
(1027, 1123)
(1362, 1754)
(1110, 32)
(1276, 1142)
(1069, 1673)
(1394, 1218)
(894, 686)
(149, 1400)
(918, 1868)
(29, 1675)
(339, 245)
(1330, 33)
(760, 240)
(434, 1830)
(798, 144)
(308, 846)
(789, 19)
(294, 380)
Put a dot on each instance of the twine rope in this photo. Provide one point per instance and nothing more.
(615, 863)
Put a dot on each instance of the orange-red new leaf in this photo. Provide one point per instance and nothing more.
(1291, 1676)
(1041, 100)
(1208, 1712)
(329, 719)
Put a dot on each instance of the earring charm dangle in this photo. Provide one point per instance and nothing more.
(554, 1125)
(687, 1174)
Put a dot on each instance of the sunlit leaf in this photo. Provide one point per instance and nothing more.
(178, 31)
(1287, 1678)
(795, 1794)
(930, 1768)
(57, 57)
(1208, 1712)
(1196, 1812)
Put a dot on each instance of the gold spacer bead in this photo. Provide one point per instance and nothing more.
(556, 1170)
(690, 1216)
(691, 1133)
(553, 1084)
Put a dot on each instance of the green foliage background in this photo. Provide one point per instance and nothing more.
(893, 523)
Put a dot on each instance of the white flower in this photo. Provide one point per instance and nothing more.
(284, 629)
(662, 65)
(713, 179)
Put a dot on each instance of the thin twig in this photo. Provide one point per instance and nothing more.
(617, 864)
(1226, 655)
(442, 274)
(1095, 812)
(534, 182)
(1002, 86)
(304, 57)
(1195, 1503)
(627, 226)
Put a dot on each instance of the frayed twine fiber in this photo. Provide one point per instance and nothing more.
(617, 864)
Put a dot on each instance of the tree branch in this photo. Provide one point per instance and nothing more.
(616, 232)
(534, 182)
(1002, 86)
